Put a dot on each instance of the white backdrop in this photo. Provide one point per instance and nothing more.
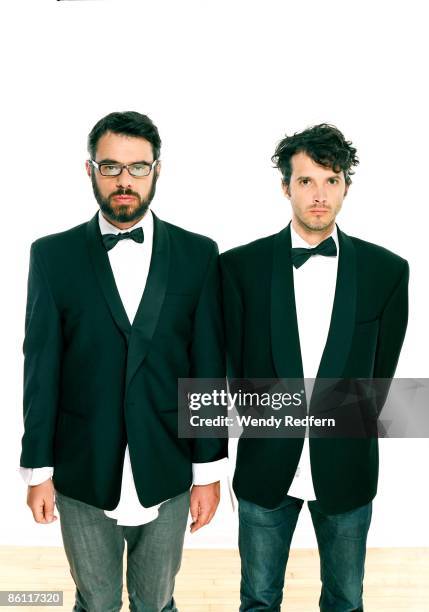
(223, 81)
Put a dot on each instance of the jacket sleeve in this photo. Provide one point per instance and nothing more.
(207, 353)
(393, 325)
(233, 322)
(42, 364)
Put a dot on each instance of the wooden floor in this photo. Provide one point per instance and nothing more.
(397, 579)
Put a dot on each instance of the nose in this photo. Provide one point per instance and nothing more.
(319, 196)
(123, 180)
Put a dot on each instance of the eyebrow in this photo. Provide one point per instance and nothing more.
(299, 178)
(115, 161)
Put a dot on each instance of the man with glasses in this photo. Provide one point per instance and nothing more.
(118, 309)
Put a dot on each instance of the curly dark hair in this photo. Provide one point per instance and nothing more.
(128, 123)
(324, 143)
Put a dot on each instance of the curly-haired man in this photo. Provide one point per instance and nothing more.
(310, 303)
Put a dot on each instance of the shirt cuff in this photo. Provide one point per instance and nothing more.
(207, 473)
(35, 476)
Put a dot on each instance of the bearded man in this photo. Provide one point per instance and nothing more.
(118, 309)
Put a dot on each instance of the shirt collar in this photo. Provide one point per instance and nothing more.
(107, 228)
(297, 241)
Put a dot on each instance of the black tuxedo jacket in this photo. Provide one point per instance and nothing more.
(93, 382)
(367, 328)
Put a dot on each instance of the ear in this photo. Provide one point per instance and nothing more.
(285, 187)
(158, 168)
(88, 168)
(346, 190)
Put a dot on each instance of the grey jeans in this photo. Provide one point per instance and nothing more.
(94, 545)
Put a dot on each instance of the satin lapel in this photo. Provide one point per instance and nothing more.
(149, 309)
(341, 329)
(104, 274)
(284, 325)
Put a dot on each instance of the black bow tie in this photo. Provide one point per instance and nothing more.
(327, 248)
(111, 240)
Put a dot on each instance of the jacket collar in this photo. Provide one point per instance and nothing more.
(139, 334)
(284, 325)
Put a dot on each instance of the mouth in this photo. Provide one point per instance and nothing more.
(124, 199)
(318, 211)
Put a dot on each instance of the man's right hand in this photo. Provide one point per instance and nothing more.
(40, 499)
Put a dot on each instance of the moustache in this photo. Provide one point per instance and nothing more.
(123, 191)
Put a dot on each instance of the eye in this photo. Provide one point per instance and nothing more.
(109, 168)
(333, 181)
(305, 181)
(139, 169)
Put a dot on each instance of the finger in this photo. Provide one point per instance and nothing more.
(211, 511)
(211, 515)
(194, 508)
(198, 524)
(195, 526)
(203, 517)
(197, 519)
(49, 510)
(214, 505)
(38, 514)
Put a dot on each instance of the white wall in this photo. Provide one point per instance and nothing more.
(223, 81)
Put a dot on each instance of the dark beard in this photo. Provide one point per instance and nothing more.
(121, 214)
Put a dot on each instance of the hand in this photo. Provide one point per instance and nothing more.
(40, 499)
(204, 501)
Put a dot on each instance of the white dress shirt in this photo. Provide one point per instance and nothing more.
(314, 285)
(130, 263)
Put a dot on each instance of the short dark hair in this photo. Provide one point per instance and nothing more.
(128, 123)
(324, 143)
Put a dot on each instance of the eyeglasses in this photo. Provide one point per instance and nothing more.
(138, 170)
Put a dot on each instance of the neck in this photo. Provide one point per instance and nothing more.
(312, 236)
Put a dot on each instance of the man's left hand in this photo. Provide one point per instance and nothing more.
(204, 502)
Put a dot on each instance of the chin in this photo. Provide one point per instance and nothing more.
(321, 221)
(125, 209)
(318, 226)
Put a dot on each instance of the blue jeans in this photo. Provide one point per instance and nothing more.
(264, 541)
(94, 545)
